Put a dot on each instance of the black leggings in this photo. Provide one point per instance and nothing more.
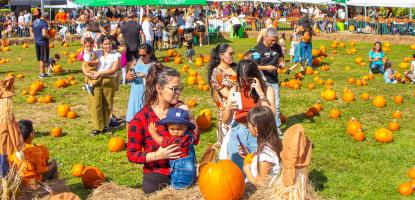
(236, 29)
(153, 182)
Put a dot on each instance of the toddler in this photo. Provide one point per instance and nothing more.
(182, 170)
(90, 61)
(190, 52)
(389, 75)
(53, 61)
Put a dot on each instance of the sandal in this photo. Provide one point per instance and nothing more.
(95, 132)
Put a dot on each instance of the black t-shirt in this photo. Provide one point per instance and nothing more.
(189, 44)
(131, 31)
(269, 56)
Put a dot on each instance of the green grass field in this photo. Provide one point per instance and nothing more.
(341, 168)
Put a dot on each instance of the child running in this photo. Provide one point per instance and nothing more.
(266, 160)
(182, 170)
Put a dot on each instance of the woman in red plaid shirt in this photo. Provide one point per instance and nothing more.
(161, 93)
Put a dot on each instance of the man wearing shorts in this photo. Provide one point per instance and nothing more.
(132, 32)
(39, 31)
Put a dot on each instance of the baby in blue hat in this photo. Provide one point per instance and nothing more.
(182, 170)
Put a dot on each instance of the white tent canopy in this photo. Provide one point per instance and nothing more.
(309, 1)
(383, 3)
(69, 4)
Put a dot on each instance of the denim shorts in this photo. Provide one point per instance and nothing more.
(246, 138)
(183, 171)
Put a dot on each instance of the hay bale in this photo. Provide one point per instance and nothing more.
(57, 185)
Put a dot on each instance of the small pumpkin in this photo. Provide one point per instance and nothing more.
(364, 96)
(348, 96)
(72, 115)
(359, 135)
(191, 80)
(394, 125)
(383, 135)
(398, 99)
(191, 103)
(406, 189)
(63, 110)
(230, 186)
(329, 95)
(353, 126)
(311, 86)
(92, 177)
(203, 122)
(411, 172)
(334, 113)
(177, 60)
(170, 52)
(56, 132)
(31, 99)
(116, 144)
(397, 114)
(379, 101)
(351, 80)
(77, 170)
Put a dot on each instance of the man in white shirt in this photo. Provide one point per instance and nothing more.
(27, 17)
(148, 30)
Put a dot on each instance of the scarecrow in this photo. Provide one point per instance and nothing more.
(293, 182)
(11, 140)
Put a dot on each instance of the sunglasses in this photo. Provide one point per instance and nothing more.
(176, 89)
(142, 55)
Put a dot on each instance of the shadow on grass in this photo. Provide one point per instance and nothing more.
(79, 190)
(297, 119)
(69, 71)
(318, 178)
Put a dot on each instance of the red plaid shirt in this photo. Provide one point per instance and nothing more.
(183, 141)
(140, 141)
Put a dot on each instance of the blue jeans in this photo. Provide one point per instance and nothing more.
(246, 138)
(306, 52)
(277, 103)
(378, 67)
(183, 170)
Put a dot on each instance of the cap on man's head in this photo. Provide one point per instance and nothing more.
(104, 22)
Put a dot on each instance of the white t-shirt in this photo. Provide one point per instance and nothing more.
(235, 20)
(189, 22)
(108, 61)
(87, 55)
(27, 18)
(148, 30)
(267, 155)
(20, 20)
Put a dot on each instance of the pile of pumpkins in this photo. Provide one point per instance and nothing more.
(171, 53)
(91, 176)
(65, 111)
(4, 61)
(359, 61)
(360, 82)
(33, 90)
(194, 78)
(405, 63)
(406, 189)
(387, 47)
(201, 59)
(62, 83)
(294, 84)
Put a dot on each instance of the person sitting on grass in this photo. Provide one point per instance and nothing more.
(52, 62)
(266, 160)
(182, 170)
(36, 167)
(389, 75)
(411, 73)
(376, 56)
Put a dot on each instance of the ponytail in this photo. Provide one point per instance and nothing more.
(157, 75)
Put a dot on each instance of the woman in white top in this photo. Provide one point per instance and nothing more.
(101, 99)
(148, 30)
(236, 23)
(189, 25)
(266, 160)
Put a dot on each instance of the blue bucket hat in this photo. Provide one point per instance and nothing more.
(178, 116)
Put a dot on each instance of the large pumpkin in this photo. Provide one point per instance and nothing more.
(63, 110)
(406, 189)
(379, 101)
(77, 170)
(93, 177)
(203, 122)
(221, 181)
(116, 144)
(348, 96)
(383, 135)
(329, 95)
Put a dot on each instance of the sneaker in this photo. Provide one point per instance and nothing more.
(89, 88)
(95, 132)
(114, 124)
(114, 118)
(43, 75)
(288, 72)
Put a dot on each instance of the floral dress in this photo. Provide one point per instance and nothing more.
(219, 81)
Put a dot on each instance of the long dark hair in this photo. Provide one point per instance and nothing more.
(374, 45)
(249, 69)
(261, 116)
(215, 58)
(149, 50)
(157, 74)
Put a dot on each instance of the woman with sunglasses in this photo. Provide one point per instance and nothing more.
(161, 92)
(101, 98)
(253, 92)
(137, 76)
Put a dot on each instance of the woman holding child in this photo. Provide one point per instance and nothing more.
(161, 93)
(102, 95)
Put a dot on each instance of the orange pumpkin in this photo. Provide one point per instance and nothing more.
(72, 115)
(52, 33)
(65, 196)
(191, 103)
(177, 60)
(406, 189)
(31, 99)
(77, 170)
(170, 52)
(398, 99)
(379, 101)
(329, 82)
(329, 95)
(394, 125)
(353, 126)
(20, 76)
(283, 118)
(371, 76)
(191, 80)
(47, 99)
(24, 92)
(65, 45)
(63, 110)
(92, 177)
(359, 135)
(334, 113)
(364, 96)
(358, 60)
(397, 114)
(309, 71)
(70, 77)
(411, 172)
(311, 86)
(230, 186)
(348, 96)
(199, 62)
(351, 80)
(205, 88)
(318, 106)
(383, 135)
(203, 122)
(56, 132)
(116, 144)
(412, 47)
